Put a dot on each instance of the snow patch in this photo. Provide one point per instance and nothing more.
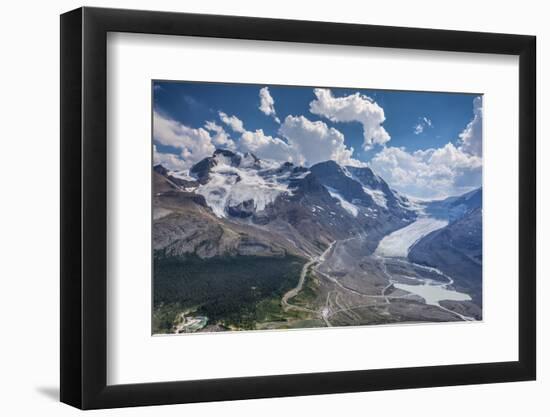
(181, 175)
(160, 212)
(378, 196)
(300, 176)
(346, 205)
(349, 174)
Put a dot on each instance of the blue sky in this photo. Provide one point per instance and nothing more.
(425, 144)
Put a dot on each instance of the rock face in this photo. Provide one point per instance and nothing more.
(309, 213)
(159, 169)
(362, 187)
(175, 181)
(202, 169)
(457, 248)
(332, 175)
(243, 209)
(375, 185)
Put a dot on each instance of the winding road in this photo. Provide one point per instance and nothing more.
(294, 291)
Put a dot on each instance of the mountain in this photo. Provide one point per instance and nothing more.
(381, 191)
(454, 208)
(222, 157)
(229, 181)
(310, 207)
(174, 180)
(339, 181)
(456, 249)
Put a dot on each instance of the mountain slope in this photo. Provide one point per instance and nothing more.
(380, 190)
(367, 197)
(453, 208)
(457, 248)
(337, 178)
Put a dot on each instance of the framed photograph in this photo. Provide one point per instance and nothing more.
(257, 208)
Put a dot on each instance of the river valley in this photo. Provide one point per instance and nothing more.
(382, 287)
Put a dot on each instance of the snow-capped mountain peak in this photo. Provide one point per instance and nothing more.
(235, 184)
(240, 185)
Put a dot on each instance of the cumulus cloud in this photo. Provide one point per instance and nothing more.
(423, 123)
(257, 142)
(314, 142)
(436, 173)
(267, 104)
(233, 122)
(432, 173)
(169, 160)
(195, 144)
(470, 138)
(266, 147)
(305, 142)
(353, 108)
(220, 138)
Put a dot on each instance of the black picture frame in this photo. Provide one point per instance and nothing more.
(84, 207)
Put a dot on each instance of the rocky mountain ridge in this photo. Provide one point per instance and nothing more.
(306, 208)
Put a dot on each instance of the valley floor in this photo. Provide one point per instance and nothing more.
(377, 288)
(344, 287)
